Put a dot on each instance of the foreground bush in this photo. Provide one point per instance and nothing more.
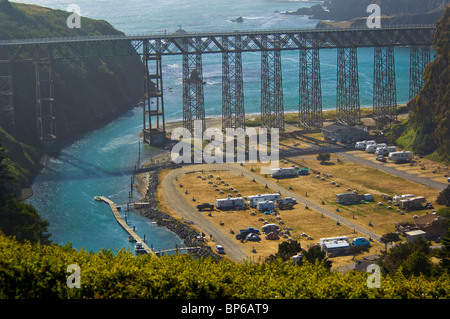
(39, 271)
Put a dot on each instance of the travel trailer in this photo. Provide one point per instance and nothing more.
(229, 203)
(361, 145)
(373, 147)
(399, 157)
(385, 150)
(255, 199)
(283, 172)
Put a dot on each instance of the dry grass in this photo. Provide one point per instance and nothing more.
(299, 219)
(362, 178)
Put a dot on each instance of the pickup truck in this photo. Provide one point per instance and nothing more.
(244, 232)
(205, 206)
(360, 241)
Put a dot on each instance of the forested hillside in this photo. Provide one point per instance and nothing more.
(428, 130)
(88, 92)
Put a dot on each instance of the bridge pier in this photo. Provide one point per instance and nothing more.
(45, 96)
(193, 97)
(419, 59)
(384, 86)
(272, 108)
(154, 127)
(233, 113)
(7, 118)
(347, 98)
(310, 90)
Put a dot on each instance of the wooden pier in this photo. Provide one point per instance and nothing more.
(125, 226)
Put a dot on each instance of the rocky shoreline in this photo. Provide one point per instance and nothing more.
(186, 233)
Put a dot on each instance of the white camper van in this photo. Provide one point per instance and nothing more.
(361, 145)
(373, 147)
(254, 200)
(399, 157)
(385, 150)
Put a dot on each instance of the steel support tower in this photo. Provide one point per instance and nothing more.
(384, 86)
(193, 98)
(272, 108)
(420, 58)
(310, 90)
(233, 113)
(347, 97)
(154, 127)
(7, 119)
(45, 98)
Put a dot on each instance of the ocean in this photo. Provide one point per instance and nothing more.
(101, 162)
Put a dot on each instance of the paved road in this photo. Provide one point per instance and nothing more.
(175, 199)
(336, 149)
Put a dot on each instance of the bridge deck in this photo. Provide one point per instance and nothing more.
(217, 42)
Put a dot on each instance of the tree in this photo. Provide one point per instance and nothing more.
(286, 250)
(389, 238)
(17, 218)
(416, 264)
(323, 157)
(315, 253)
(444, 197)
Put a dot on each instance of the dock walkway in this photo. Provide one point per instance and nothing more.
(125, 226)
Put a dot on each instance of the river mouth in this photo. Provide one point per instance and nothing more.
(100, 163)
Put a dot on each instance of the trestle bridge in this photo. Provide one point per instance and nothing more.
(231, 45)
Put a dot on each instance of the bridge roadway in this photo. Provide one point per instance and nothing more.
(181, 42)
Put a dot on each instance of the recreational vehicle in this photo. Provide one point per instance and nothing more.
(229, 203)
(373, 147)
(283, 172)
(255, 199)
(347, 198)
(397, 198)
(363, 144)
(265, 206)
(399, 157)
(385, 150)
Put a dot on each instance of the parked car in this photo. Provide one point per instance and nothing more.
(381, 158)
(205, 206)
(220, 249)
(360, 241)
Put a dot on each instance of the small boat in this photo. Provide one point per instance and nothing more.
(131, 239)
(139, 248)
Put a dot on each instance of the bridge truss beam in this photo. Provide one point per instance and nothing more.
(384, 86)
(420, 57)
(347, 101)
(45, 96)
(272, 108)
(310, 90)
(233, 113)
(7, 118)
(193, 97)
(154, 128)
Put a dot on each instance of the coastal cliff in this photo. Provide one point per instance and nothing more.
(348, 13)
(89, 92)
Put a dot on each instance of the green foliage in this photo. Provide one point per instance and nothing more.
(431, 108)
(39, 271)
(444, 197)
(16, 218)
(88, 92)
(323, 157)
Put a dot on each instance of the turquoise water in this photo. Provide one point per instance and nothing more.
(101, 162)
